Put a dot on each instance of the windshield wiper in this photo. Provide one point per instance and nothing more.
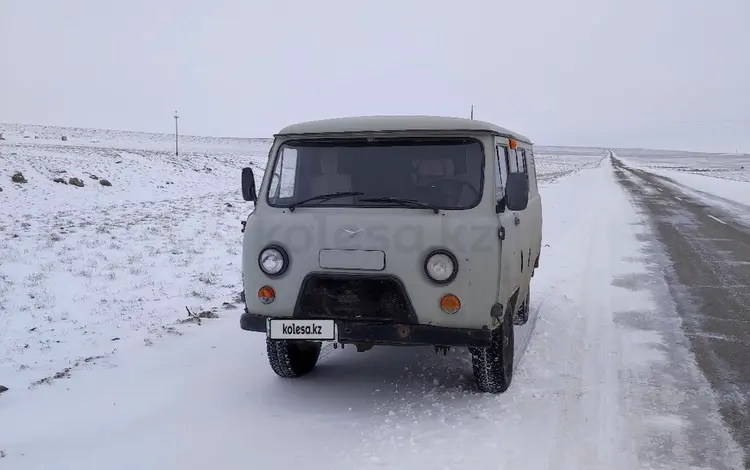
(403, 202)
(324, 197)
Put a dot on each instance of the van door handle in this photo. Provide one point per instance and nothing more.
(516, 220)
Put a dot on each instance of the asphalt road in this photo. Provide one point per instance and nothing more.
(709, 283)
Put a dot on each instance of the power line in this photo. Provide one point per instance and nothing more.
(176, 134)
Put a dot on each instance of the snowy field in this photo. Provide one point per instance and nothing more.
(554, 163)
(87, 271)
(121, 347)
(727, 166)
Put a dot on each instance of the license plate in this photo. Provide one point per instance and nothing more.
(317, 330)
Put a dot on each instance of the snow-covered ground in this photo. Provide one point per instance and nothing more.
(94, 286)
(555, 162)
(721, 180)
(87, 271)
(726, 166)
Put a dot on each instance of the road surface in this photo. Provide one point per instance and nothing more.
(709, 283)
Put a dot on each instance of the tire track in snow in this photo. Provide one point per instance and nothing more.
(593, 394)
(566, 445)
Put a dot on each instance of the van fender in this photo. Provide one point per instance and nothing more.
(513, 301)
(499, 312)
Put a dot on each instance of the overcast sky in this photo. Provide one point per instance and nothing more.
(645, 73)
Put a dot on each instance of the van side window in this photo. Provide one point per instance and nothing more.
(532, 171)
(522, 164)
(501, 172)
(513, 160)
(283, 178)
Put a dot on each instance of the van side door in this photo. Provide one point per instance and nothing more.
(526, 221)
(535, 208)
(511, 238)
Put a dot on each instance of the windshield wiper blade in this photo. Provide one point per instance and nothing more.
(403, 202)
(324, 197)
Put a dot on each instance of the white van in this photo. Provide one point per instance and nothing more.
(392, 230)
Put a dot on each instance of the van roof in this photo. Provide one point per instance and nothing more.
(396, 123)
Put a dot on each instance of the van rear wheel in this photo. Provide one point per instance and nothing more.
(292, 359)
(493, 366)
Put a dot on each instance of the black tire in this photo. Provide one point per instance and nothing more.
(292, 359)
(522, 314)
(493, 366)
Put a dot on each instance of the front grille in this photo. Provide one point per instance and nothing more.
(350, 297)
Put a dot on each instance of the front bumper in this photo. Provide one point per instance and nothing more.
(390, 334)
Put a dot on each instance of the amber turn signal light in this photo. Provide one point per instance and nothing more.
(449, 303)
(266, 294)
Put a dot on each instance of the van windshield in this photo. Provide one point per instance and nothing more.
(445, 173)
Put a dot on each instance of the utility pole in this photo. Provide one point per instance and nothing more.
(176, 134)
(472, 111)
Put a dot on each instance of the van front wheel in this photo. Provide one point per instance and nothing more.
(522, 315)
(291, 359)
(493, 366)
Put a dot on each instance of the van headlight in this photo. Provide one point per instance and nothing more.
(273, 260)
(441, 266)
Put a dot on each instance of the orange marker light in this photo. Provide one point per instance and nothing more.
(513, 143)
(266, 294)
(450, 303)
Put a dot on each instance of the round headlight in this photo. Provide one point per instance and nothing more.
(441, 266)
(273, 261)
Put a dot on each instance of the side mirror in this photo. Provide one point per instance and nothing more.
(248, 185)
(517, 191)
